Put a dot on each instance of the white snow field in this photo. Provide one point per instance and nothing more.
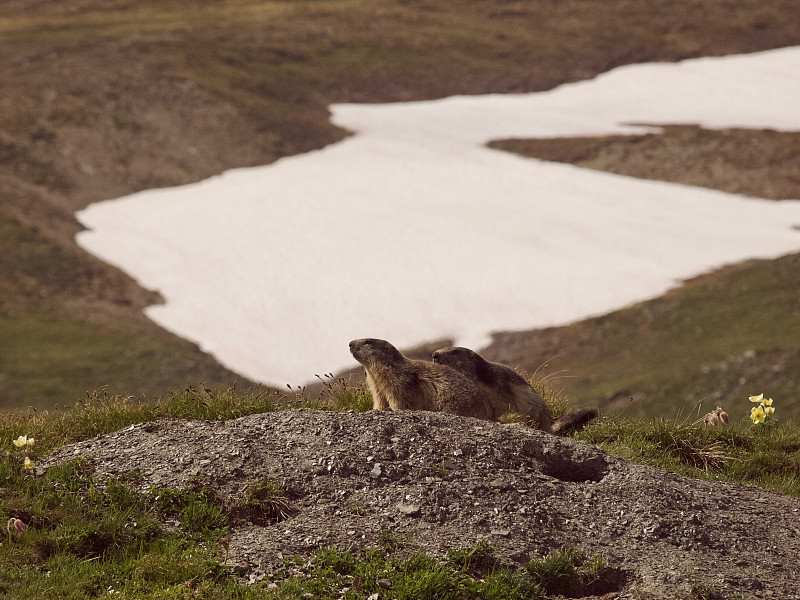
(412, 230)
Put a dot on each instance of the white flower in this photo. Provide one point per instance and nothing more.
(15, 525)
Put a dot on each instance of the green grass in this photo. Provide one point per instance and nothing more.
(709, 591)
(333, 574)
(82, 540)
(53, 359)
(53, 355)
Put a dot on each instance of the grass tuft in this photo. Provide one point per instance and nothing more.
(337, 394)
(477, 560)
(265, 502)
(556, 400)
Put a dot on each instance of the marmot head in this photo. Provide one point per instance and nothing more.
(478, 368)
(371, 352)
(461, 359)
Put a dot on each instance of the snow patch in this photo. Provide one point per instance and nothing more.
(413, 230)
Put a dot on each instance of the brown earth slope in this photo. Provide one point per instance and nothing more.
(101, 99)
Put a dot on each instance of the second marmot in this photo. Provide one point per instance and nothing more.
(508, 391)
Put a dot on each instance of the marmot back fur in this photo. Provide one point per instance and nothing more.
(400, 383)
(508, 391)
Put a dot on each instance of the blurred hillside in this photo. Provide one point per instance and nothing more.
(101, 99)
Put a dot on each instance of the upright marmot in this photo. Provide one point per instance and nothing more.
(399, 383)
(508, 391)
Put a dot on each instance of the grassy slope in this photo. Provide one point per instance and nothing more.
(719, 338)
(106, 98)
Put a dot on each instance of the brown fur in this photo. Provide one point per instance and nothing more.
(399, 383)
(508, 391)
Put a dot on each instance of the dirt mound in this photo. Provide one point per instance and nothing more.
(443, 482)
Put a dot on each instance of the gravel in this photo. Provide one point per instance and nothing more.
(442, 481)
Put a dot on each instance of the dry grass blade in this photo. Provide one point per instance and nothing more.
(698, 453)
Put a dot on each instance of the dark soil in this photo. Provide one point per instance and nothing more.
(762, 164)
(440, 482)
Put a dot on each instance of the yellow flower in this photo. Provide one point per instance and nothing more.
(757, 414)
(766, 402)
(758, 398)
(28, 463)
(769, 409)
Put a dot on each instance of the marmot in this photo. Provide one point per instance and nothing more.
(400, 383)
(508, 391)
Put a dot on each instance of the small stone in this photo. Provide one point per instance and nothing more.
(503, 532)
(255, 577)
(376, 471)
(412, 510)
(384, 584)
